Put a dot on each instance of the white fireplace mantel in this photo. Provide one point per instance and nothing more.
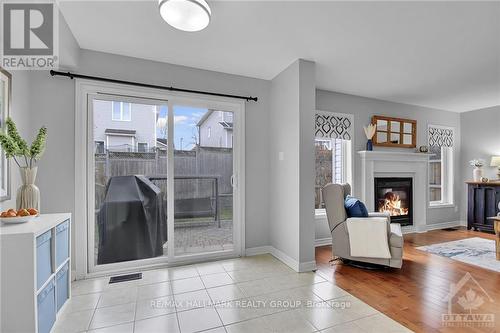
(397, 164)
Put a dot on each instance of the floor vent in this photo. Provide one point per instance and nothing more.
(124, 278)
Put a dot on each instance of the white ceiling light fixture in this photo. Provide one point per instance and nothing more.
(186, 15)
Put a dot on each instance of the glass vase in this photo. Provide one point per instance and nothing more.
(369, 145)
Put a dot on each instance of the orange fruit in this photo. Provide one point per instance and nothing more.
(11, 213)
(4, 214)
(33, 211)
(23, 212)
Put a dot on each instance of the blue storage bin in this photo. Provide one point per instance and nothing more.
(43, 258)
(62, 285)
(46, 302)
(62, 242)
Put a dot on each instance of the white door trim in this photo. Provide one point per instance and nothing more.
(84, 88)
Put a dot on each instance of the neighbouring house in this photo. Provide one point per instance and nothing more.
(122, 126)
(161, 143)
(215, 129)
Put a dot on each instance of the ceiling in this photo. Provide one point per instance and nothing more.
(444, 55)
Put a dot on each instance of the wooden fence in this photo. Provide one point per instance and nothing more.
(201, 161)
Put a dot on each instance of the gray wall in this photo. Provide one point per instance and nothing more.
(39, 99)
(54, 101)
(480, 139)
(307, 105)
(20, 113)
(284, 174)
(363, 109)
(69, 50)
(23, 108)
(291, 187)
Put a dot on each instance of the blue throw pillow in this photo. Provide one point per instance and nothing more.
(354, 207)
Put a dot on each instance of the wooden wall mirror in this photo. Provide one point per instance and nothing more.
(395, 132)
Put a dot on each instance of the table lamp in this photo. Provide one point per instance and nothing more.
(495, 162)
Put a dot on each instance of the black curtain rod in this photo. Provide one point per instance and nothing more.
(139, 84)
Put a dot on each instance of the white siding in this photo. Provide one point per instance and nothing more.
(143, 121)
(219, 136)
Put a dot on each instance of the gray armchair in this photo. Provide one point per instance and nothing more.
(334, 196)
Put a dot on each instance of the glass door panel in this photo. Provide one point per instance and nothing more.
(203, 180)
(128, 155)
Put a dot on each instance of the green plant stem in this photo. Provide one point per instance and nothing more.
(15, 160)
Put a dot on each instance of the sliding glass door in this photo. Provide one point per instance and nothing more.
(203, 173)
(161, 181)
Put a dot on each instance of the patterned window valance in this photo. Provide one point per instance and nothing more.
(333, 125)
(440, 136)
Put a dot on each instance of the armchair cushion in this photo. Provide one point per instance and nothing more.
(368, 237)
(396, 237)
(380, 214)
(354, 207)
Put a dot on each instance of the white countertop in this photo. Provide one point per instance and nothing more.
(36, 226)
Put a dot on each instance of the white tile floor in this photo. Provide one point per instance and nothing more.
(253, 294)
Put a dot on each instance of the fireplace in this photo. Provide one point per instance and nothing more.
(394, 195)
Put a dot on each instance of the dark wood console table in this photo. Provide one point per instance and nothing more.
(482, 202)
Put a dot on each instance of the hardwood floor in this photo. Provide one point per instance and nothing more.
(414, 295)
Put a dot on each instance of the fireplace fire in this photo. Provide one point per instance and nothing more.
(391, 203)
(394, 196)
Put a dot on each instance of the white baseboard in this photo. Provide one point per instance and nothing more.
(434, 226)
(409, 229)
(255, 251)
(283, 257)
(307, 266)
(444, 225)
(311, 265)
(323, 241)
(286, 259)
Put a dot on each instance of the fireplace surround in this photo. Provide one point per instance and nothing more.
(396, 164)
(394, 195)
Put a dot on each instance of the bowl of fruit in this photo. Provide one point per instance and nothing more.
(18, 216)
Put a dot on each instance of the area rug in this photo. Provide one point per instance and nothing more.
(475, 251)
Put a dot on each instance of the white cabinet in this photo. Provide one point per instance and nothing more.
(35, 279)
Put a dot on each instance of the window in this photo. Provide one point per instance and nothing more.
(332, 160)
(99, 147)
(440, 166)
(209, 133)
(142, 147)
(121, 111)
(333, 152)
